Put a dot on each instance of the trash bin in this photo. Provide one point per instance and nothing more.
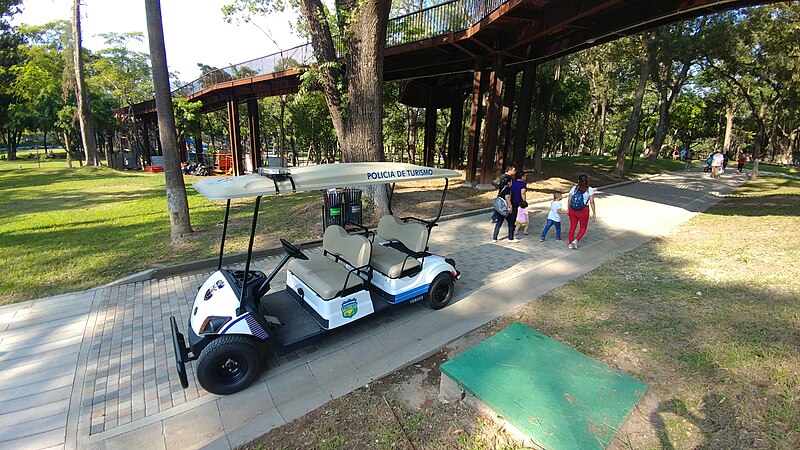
(352, 205)
(332, 209)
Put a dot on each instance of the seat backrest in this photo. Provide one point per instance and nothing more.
(411, 234)
(353, 248)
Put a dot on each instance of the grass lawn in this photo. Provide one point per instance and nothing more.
(68, 229)
(709, 317)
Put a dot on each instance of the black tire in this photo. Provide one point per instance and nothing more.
(228, 364)
(440, 291)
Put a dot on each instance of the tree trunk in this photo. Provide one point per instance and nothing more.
(603, 124)
(359, 131)
(411, 137)
(365, 40)
(69, 151)
(281, 131)
(545, 121)
(730, 112)
(177, 205)
(636, 114)
(82, 96)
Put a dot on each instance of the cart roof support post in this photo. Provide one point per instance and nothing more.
(224, 232)
(441, 203)
(250, 248)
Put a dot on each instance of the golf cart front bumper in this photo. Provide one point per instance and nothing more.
(184, 354)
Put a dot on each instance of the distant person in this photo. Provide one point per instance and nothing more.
(716, 164)
(505, 193)
(519, 188)
(725, 157)
(581, 196)
(740, 162)
(554, 217)
(687, 161)
(522, 218)
(504, 178)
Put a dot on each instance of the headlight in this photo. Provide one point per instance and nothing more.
(213, 324)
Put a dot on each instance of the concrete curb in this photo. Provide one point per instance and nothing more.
(227, 260)
(776, 174)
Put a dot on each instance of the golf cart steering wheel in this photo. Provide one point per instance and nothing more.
(293, 251)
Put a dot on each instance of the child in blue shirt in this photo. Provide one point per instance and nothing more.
(554, 217)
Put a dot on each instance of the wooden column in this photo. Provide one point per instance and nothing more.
(475, 118)
(147, 149)
(492, 121)
(235, 135)
(524, 113)
(510, 85)
(456, 132)
(198, 147)
(255, 134)
(430, 134)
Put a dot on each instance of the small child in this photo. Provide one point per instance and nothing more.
(522, 217)
(554, 217)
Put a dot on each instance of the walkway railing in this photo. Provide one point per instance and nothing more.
(444, 18)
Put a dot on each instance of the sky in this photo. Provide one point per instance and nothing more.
(194, 30)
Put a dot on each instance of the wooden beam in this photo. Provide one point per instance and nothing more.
(510, 85)
(475, 124)
(492, 120)
(235, 135)
(430, 133)
(254, 132)
(524, 114)
(456, 133)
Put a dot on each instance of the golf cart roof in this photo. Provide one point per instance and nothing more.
(314, 178)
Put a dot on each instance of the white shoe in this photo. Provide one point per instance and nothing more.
(494, 241)
(570, 246)
(575, 244)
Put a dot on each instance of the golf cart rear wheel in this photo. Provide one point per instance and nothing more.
(440, 291)
(228, 364)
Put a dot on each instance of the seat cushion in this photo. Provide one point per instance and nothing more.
(324, 276)
(389, 261)
(353, 248)
(411, 234)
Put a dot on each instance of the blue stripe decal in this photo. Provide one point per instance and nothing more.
(419, 290)
(227, 327)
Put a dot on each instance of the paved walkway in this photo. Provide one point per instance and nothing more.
(94, 369)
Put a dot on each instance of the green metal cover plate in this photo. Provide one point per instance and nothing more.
(556, 396)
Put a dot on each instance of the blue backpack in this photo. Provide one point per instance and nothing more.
(576, 202)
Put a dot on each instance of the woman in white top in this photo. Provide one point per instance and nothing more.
(581, 197)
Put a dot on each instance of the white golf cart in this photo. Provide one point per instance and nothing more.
(355, 275)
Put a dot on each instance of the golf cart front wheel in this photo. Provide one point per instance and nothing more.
(228, 364)
(440, 291)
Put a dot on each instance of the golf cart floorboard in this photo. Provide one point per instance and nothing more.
(298, 327)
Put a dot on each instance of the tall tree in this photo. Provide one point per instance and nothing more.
(636, 112)
(756, 53)
(10, 56)
(677, 49)
(354, 98)
(177, 205)
(81, 93)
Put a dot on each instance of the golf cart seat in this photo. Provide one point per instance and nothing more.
(391, 261)
(328, 277)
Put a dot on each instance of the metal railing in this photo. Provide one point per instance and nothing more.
(444, 18)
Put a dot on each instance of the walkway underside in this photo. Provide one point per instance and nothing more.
(519, 31)
(442, 71)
